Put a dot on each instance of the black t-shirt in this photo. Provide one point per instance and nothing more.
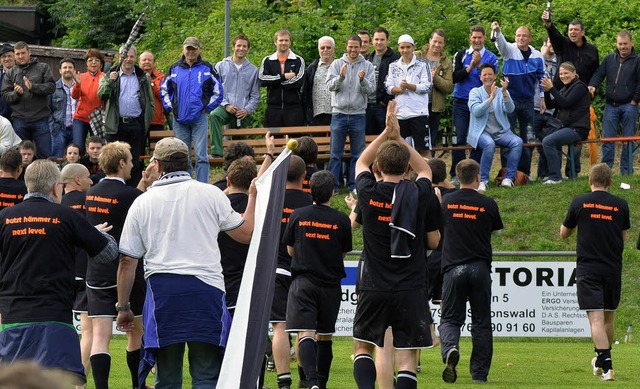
(12, 192)
(469, 220)
(320, 235)
(600, 217)
(108, 201)
(95, 171)
(37, 247)
(233, 255)
(435, 256)
(379, 271)
(306, 184)
(293, 199)
(76, 201)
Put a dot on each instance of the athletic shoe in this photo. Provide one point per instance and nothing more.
(419, 367)
(454, 181)
(597, 370)
(449, 373)
(552, 182)
(304, 384)
(609, 375)
(482, 187)
(271, 364)
(507, 183)
(354, 192)
(315, 387)
(292, 354)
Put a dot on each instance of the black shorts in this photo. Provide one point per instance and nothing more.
(280, 295)
(103, 299)
(405, 311)
(598, 292)
(418, 129)
(311, 307)
(80, 303)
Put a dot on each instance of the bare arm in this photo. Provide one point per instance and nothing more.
(126, 276)
(565, 232)
(243, 233)
(433, 239)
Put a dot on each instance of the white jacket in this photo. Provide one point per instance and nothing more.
(410, 104)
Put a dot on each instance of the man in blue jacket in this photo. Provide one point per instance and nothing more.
(191, 89)
(622, 70)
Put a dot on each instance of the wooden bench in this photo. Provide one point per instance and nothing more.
(254, 137)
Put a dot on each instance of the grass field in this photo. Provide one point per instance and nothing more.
(532, 215)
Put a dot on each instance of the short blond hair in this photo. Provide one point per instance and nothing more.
(111, 155)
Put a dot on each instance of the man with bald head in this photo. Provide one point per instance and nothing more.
(523, 65)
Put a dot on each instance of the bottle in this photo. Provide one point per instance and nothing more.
(239, 123)
(531, 137)
(454, 137)
(445, 137)
(548, 9)
(494, 35)
(628, 337)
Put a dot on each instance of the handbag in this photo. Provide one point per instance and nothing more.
(553, 124)
(96, 122)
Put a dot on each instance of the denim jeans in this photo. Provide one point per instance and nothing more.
(341, 126)
(461, 117)
(626, 116)
(59, 142)
(539, 121)
(204, 365)
(376, 116)
(80, 131)
(470, 281)
(197, 132)
(523, 114)
(38, 132)
(552, 147)
(488, 147)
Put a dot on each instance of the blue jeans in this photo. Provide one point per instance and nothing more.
(80, 131)
(341, 126)
(524, 115)
(461, 117)
(204, 365)
(539, 121)
(197, 132)
(488, 147)
(552, 147)
(376, 116)
(613, 116)
(38, 132)
(59, 142)
(470, 281)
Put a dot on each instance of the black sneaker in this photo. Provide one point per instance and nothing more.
(449, 373)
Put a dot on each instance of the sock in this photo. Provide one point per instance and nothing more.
(406, 380)
(301, 373)
(133, 362)
(100, 367)
(307, 357)
(364, 371)
(604, 359)
(325, 356)
(284, 379)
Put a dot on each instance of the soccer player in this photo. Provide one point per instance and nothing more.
(602, 220)
(317, 238)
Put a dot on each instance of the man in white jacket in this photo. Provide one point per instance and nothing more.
(351, 79)
(409, 79)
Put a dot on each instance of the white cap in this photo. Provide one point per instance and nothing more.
(406, 38)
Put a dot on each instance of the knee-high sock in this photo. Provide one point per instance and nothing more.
(284, 380)
(325, 356)
(604, 359)
(364, 371)
(100, 367)
(307, 351)
(406, 380)
(133, 362)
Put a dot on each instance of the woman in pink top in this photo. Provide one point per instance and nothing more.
(86, 92)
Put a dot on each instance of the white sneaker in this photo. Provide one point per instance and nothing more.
(552, 182)
(596, 370)
(482, 187)
(610, 375)
(507, 183)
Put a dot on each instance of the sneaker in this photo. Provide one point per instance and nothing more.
(454, 181)
(482, 187)
(550, 181)
(419, 367)
(304, 384)
(271, 364)
(597, 370)
(315, 387)
(610, 375)
(507, 183)
(449, 373)
(531, 179)
(292, 354)
(354, 192)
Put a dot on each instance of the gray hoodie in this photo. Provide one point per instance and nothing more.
(240, 86)
(349, 95)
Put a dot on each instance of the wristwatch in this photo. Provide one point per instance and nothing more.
(125, 308)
